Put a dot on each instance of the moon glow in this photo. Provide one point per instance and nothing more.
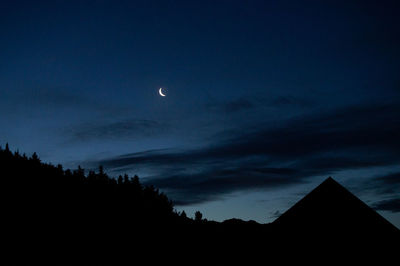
(161, 93)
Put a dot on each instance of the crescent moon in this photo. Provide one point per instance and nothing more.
(160, 92)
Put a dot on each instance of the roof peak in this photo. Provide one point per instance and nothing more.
(330, 179)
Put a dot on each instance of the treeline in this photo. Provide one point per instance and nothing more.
(38, 193)
(51, 212)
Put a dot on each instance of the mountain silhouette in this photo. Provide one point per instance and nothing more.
(330, 209)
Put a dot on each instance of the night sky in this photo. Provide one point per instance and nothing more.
(265, 99)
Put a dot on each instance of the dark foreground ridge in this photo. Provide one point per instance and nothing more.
(60, 216)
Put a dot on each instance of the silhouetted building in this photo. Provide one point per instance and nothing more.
(330, 210)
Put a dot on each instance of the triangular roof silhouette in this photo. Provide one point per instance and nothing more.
(331, 208)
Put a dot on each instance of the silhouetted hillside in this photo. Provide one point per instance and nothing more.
(48, 210)
(56, 215)
(36, 188)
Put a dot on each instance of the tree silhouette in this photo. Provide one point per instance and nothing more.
(35, 158)
(198, 216)
(183, 214)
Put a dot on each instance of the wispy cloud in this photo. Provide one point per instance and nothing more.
(354, 137)
(214, 183)
(389, 179)
(392, 205)
(384, 184)
(275, 214)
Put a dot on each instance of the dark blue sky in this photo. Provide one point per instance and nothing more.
(265, 99)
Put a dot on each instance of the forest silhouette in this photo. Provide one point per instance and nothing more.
(65, 216)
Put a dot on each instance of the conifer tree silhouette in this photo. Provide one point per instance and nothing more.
(198, 216)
